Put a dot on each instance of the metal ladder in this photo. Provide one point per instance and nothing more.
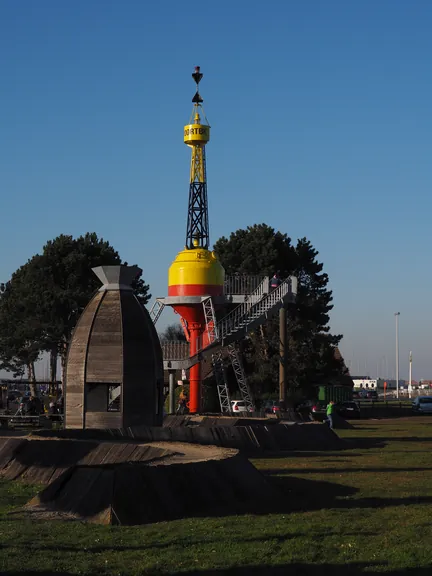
(156, 310)
(210, 319)
(237, 365)
(218, 364)
(221, 383)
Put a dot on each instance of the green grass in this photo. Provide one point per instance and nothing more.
(364, 510)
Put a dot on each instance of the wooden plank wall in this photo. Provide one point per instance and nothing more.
(105, 349)
(76, 366)
(158, 417)
(115, 342)
(103, 420)
(143, 364)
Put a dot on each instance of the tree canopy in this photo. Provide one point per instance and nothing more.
(20, 334)
(259, 249)
(40, 305)
(44, 298)
(173, 332)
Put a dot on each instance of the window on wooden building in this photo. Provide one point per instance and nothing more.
(103, 397)
(114, 397)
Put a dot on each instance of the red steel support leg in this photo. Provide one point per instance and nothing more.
(194, 373)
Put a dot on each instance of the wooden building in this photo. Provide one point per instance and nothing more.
(114, 373)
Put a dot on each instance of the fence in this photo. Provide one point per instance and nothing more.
(241, 284)
(175, 350)
(384, 408)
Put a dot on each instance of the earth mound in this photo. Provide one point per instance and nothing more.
(128, 483)
(249, 439)
(43, 461)
(131, 494)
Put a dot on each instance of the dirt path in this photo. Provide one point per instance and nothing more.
(186, 453)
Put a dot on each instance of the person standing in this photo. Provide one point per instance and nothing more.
(275, 281)
(330, 413)
(182, 405)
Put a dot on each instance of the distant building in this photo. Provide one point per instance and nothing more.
(391, 384)
(364, 382)
(425, 384)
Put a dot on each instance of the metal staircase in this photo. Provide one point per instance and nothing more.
(254, 312)
(210, 319)
(217, 359)
(247, 316)
(242, 284)
(240, 377)
(258, 306)
(221, 382)
(260, 291)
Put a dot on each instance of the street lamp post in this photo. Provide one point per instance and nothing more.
(397, 314)
(410, 375)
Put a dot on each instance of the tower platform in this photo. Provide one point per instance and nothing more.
(253, 310)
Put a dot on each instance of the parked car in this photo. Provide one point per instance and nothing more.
(422, 405)
(272, 407)
(345, 409)
(304, 409)
(318, 408)
(239, 406)
(348, 409)
(372, 395)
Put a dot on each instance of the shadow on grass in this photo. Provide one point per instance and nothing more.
(307, 495)
(296, 454)
(406, 439)
(41, 573)
(278, 492)
(346, 444)
(364, 443)
(289, 470)
(184, 542)
(297, 569)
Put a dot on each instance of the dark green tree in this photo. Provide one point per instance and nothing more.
(21, 339)
(310, 359)
(50, 292)
(257, 250)
(68, 264)
(173, 332)
(311, 348)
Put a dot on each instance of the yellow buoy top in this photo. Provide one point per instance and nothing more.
(196, 133)
(196, 267)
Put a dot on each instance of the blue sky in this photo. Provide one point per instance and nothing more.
(321, 127)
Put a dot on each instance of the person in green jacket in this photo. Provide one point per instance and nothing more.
(330, 412)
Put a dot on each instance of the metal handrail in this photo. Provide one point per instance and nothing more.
(259, 306)
(242, 284)
(246, 312)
